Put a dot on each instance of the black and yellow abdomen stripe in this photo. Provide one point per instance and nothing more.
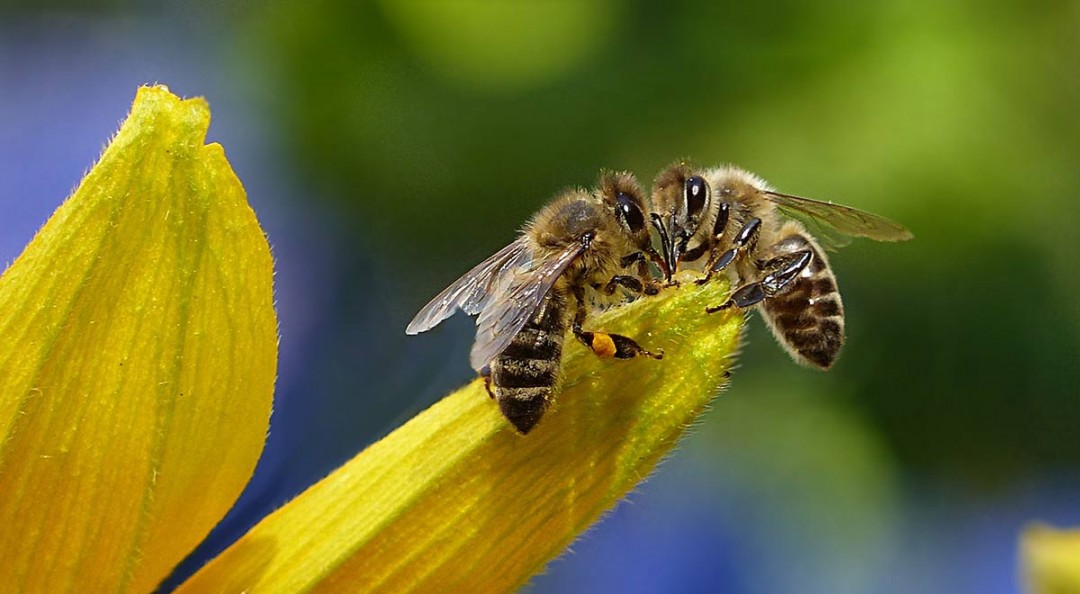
(524, 376)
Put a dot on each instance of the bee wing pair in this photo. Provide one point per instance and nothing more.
(835, 224)
(506, 290)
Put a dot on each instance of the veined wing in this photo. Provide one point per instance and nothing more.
(836, 222)
(508, 311)
(474, 287)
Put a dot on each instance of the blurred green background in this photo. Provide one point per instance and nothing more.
(388, 146)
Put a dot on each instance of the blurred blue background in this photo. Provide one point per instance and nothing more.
(388, 146)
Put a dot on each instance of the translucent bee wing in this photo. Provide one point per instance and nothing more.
(509, 310)
(835, 223)
(827, 236)
(474, 288)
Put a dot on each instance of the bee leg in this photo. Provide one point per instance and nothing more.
(695, 253)
(614, 345)
(782, 271)
(631, 283)
(634, 258)
(692, 255)
(604, 344)
(485, 373)
(642, 260)
(719, 228)
(743, 242)
(652, 287)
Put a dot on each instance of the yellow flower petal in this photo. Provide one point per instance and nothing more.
(138, 346)
(1051, 560)
(456, 501)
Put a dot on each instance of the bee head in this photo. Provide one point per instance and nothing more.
(622, 194)
(680, 201)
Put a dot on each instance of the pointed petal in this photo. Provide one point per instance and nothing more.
(137, 357)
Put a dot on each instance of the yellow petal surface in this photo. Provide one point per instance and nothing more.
(456, 501)
(1051, 560)
(138, 346)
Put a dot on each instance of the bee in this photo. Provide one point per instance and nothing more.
(728, 219)
(582, 244)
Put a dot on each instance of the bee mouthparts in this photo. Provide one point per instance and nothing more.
(666, 246)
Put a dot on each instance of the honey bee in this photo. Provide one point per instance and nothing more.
(528, 293)
(728, 219)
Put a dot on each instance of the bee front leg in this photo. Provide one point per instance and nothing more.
(631, 283)
(744, 242)
(719, 229)
(695, 253)
(641, 260)
(606, 345)
(780, 272)
(632, 259)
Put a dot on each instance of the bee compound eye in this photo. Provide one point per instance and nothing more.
(696, 192)
(629, 212)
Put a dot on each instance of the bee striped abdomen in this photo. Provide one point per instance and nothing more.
(808, 316)
(524, 375)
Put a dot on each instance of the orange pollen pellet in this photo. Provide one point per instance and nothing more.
(603, 345)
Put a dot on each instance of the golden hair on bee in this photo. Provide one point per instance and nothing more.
(579, 248)
(728, 220)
